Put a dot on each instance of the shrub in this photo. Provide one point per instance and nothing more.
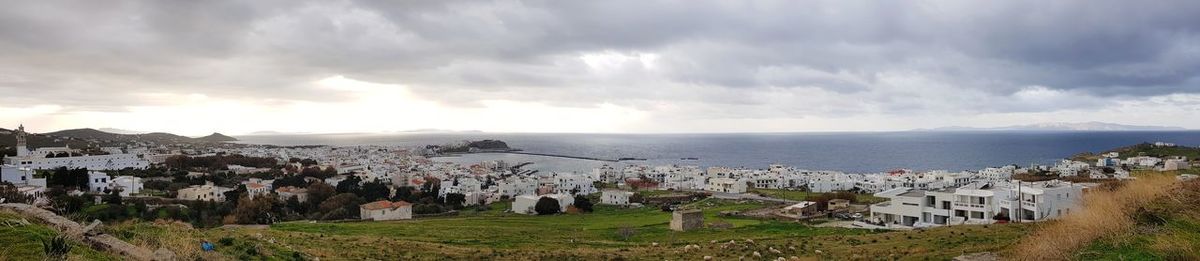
(56, 247)
(547, 206)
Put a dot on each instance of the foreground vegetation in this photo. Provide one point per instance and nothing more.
(607, 233)
(21, 239)
(1151, 218)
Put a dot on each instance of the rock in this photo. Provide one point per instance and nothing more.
(162, 254)
(981, 256)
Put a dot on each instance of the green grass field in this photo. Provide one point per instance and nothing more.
(495, 235)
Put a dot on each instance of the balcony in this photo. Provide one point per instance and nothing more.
(968, 205)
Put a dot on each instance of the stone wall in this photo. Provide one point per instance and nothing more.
(684, 220)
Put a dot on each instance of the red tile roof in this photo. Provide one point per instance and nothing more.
(384, 204)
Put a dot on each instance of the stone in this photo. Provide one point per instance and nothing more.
(981, 256)
(685, 220)
(162, 254)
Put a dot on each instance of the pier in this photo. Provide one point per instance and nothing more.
(517, 151)
(557, 155)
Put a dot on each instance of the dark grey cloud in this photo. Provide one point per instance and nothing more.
(878, 57)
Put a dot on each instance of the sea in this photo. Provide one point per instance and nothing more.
(854, 152)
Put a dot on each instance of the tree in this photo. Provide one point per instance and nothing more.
(404, 193)
(340, 206)
(319, 191)
(547, 206)
(625, 232)
(10, 194)
(68, 178)
(637, 198)
(372, 191)
(583, 203)
(232, 196)
(455, 200)
(113, 197)
(349, 185)
(253, 211)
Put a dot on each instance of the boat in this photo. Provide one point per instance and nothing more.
(689, 158)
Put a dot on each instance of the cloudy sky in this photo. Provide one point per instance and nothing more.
(194, 67)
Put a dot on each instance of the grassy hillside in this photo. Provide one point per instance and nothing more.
(1167, 228)
(503, 236)
(24, 242)
(1151, 218)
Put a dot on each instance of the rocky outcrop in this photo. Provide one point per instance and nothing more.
(89, 234)
(981, 256)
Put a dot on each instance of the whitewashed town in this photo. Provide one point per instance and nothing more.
(907, 199)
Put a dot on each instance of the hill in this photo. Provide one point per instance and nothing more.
(1145, 149)
(97, 135)
(216, 137)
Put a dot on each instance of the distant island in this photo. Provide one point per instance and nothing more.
(1062, 126)
(471, 146)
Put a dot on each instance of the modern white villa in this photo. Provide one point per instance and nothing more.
(976, 204)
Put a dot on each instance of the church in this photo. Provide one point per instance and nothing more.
(55, 157)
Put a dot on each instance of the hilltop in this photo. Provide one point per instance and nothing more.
(217, 137)
(94, 134)
(85, 137)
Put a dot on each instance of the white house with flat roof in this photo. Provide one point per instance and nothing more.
(726, 185)
(976, 203)
(615, 197)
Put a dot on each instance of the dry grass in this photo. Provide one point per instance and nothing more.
(1106, 213)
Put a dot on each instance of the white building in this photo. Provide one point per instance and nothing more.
(975, 204)
(97, 182)
(615, 197)
(1176, 164)
(257, 187)
(17, 176)
(288, 192)
(525, 204)
(576, 184)
(516, 186)
(206, 192)
(726, 185)
(127, 185)
(385, 210)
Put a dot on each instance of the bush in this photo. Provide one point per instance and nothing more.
(583, 203)
(56, 247)
(547, 206)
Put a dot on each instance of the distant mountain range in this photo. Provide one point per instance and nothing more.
(1062, 126)
(155, 137)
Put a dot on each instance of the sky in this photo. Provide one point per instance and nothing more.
(238, 67)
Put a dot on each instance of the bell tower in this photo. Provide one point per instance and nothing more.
(22, 147)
